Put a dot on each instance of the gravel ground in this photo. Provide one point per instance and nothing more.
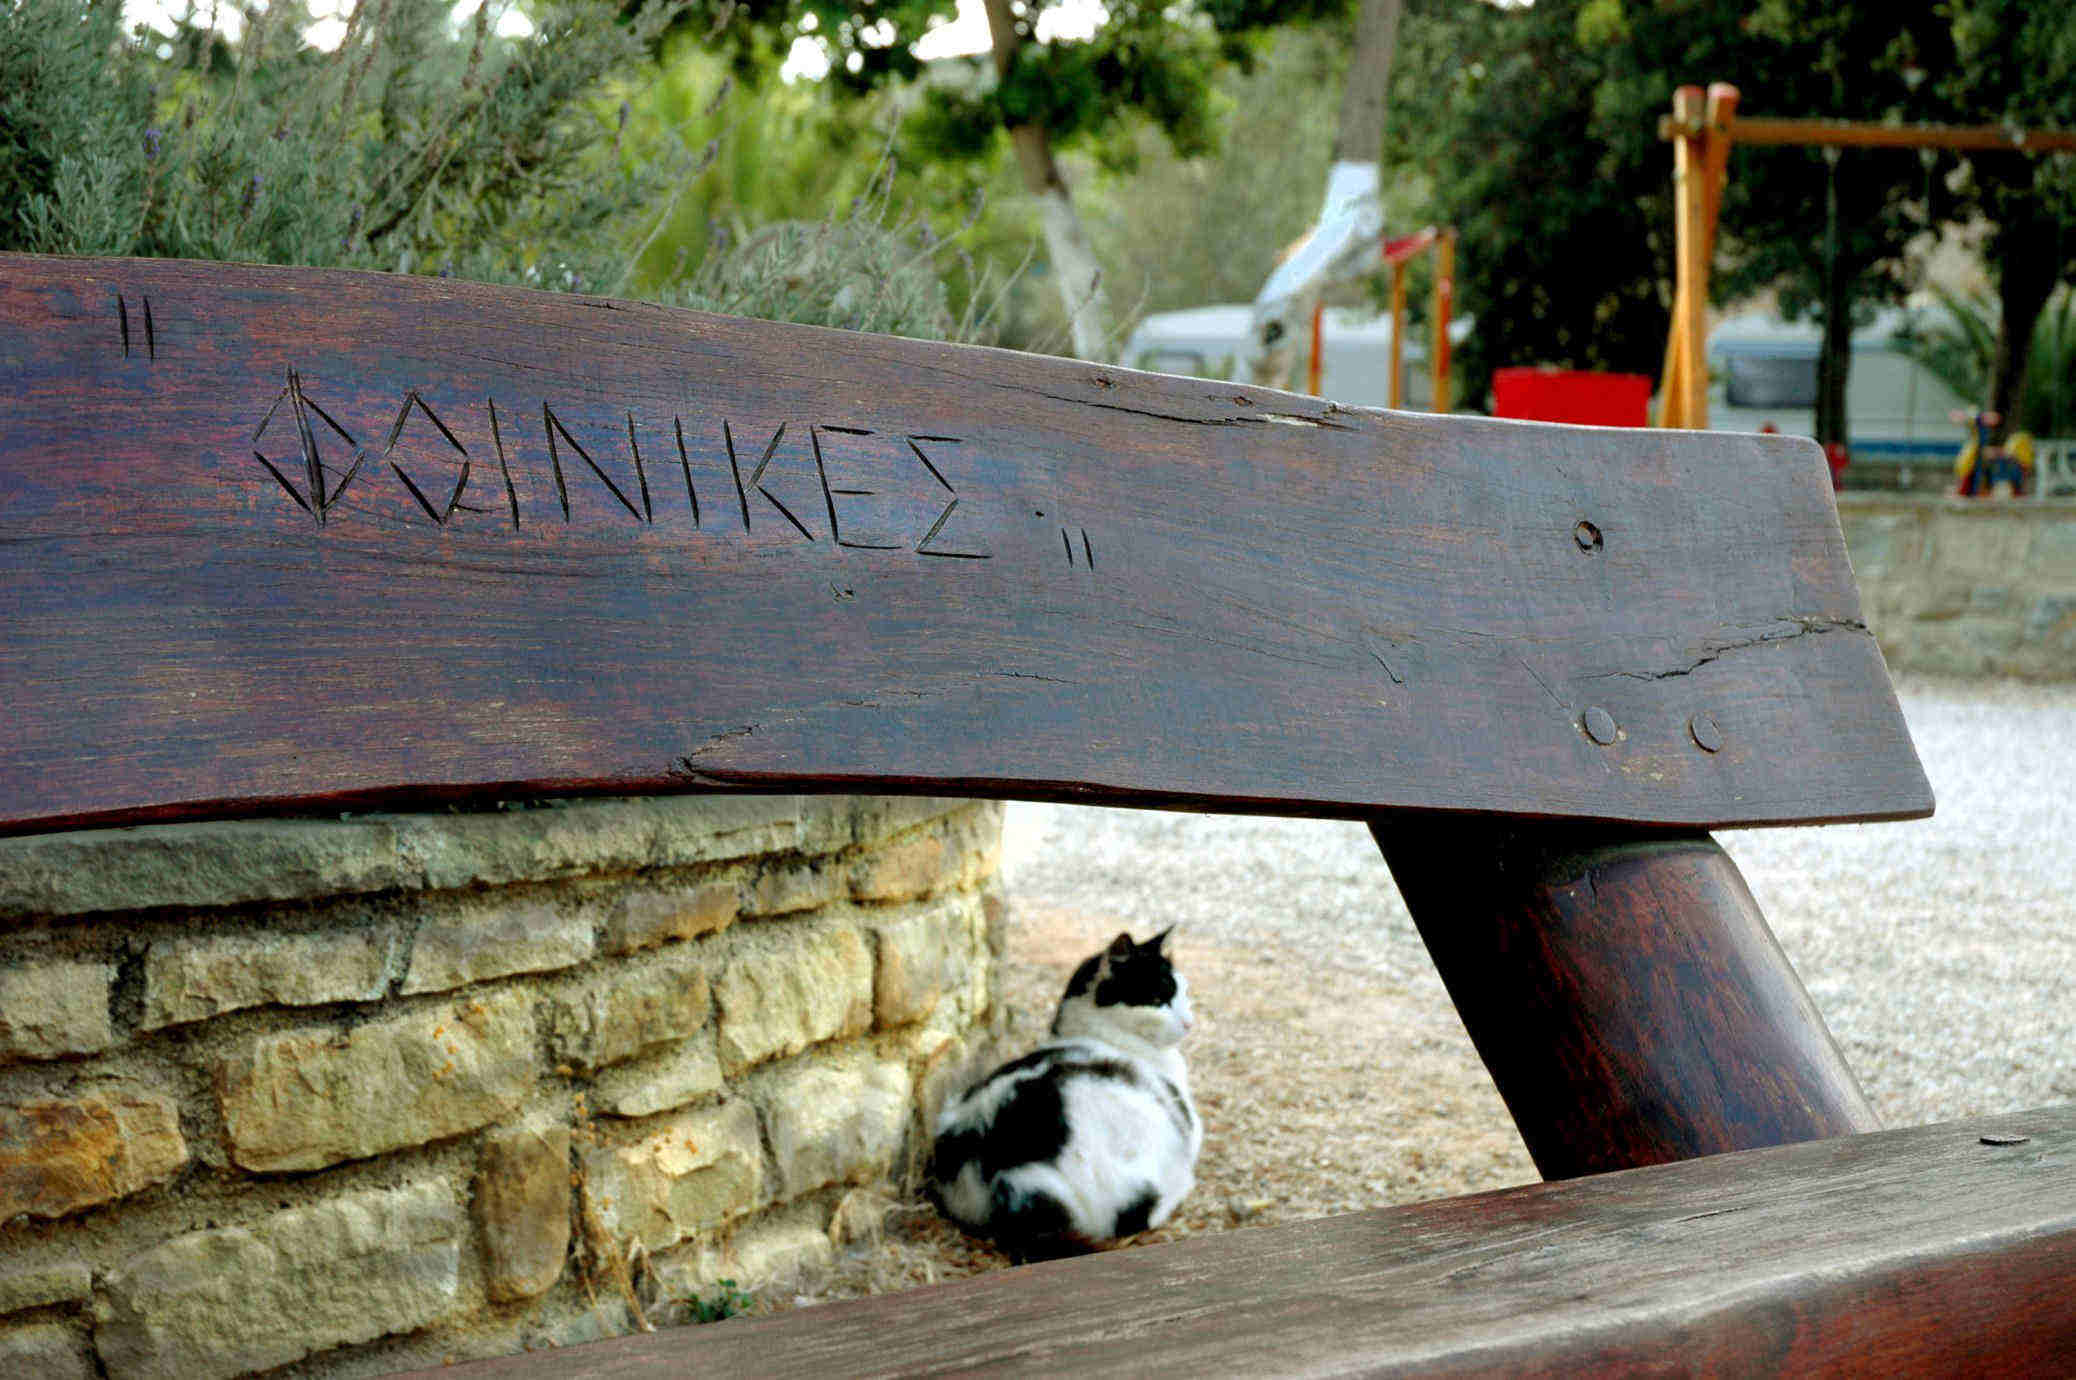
(1332, 1071)
(1942, 952)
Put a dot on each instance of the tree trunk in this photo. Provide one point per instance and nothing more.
(1075, 269)
(1835, 355)
(1283, 308)
(2026, 271)
(1361, 135)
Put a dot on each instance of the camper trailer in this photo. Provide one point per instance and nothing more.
(1763, 372)
(1210, 342)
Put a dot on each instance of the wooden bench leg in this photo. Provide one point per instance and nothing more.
(1623, 989)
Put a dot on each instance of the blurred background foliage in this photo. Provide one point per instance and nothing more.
(663, 150)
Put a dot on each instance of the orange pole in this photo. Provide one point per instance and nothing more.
(1850, 134)
(1313, 371)
(1683, 393)
(1444, 303)
(1398, 332)
(1687, 105)
(1721, 118)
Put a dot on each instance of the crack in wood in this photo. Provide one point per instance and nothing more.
(1804, 626)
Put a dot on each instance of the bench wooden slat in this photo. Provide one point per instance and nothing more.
(1901, 1252)
(961, 571)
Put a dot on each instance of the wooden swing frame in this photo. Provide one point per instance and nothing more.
(1703, 127)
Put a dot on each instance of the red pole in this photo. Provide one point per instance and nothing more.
(1318, 345)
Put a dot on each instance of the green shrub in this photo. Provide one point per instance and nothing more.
(412, 148)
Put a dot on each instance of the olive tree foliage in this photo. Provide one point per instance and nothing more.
(412, 148)
(2015, 65)
(1146, 64)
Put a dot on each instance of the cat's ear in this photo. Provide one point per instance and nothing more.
(1120, 947)
(1158, 943)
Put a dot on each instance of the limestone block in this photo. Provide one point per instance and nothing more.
(237, 1299)
(53, 1008)
(592, 837)
(2054, 552)
(943, 1065)
(786, 1250)
(522, 1209)
(214, 864)
(1980, 544)
(995, 909)
(232, 862)
(628, 1011)
(920, 959)
(193, 979)
(834, 1121)
(2050, 615)
(695, 1171)
(670, 1079)
(915, 866)
(966, 845)
(650, 915)
(786, 888)
(874, 818)
(791, 988)
(63, 1154)
(1882, 545)
(42, 1283)
(488, 940)
(48, 1351)
(303, 1099)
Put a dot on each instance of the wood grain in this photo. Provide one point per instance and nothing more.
(297, 539)
(1626, 994)
(1911, 1252)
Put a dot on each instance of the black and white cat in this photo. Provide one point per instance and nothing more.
(1090, 1137)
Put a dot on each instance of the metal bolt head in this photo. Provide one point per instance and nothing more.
(1707, 735)
(1587, 536)
(1599, 725)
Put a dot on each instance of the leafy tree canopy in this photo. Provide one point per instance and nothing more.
(1147, 60)
(1538, 128)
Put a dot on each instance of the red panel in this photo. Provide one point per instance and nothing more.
(1572, 395)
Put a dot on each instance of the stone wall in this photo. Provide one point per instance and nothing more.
(1967, 586)
(381, 1091)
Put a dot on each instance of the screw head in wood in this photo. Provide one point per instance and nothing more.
(1707, 735)
(1587, 536)
(1599, 725)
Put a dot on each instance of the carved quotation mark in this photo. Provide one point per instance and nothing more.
(151, 337)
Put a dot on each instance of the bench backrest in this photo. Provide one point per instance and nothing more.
(296, 539)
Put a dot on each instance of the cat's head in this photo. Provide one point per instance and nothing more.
(1128, 989)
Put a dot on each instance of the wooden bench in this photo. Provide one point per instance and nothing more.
(298, 540)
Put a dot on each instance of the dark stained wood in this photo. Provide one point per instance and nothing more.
(1625, 993)
(955, 570)
(1913, 1252)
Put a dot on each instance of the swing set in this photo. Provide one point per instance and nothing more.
(1703, 128)
(1397, 254)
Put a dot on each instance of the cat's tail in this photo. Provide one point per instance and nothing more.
(1031, 1224)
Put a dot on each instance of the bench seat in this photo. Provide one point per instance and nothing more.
(1939, 1249)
